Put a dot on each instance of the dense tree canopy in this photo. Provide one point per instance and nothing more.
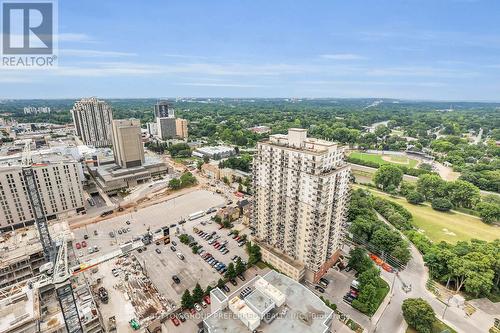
(418, 314)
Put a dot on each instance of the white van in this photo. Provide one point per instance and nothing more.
(180, 255)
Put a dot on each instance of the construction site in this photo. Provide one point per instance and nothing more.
(29, 300)
(43, 284)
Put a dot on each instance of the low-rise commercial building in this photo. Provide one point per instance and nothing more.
(215, 152)
(275, 303)
(111, 178)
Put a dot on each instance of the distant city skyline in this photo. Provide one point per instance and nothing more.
(445, 50)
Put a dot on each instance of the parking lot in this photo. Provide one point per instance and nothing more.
(339, 285)
(152, 217)
(160, 267)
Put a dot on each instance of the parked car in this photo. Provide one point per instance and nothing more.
(119, 231)
(128, 222)
(158, 251)
(203, 304)
(233, 282)
(173, 248)
(78, 246)
(348, 299)
(84, 244)
(95, 233)
(198, 307)
(85, 236)
(193, 311)
(182, 317)
(180, 256)
(242, 278)
(176, 279)
(174, 243)
(319, 288)
(207, 299)
(111, 234)
(226, 288)
(174, 320)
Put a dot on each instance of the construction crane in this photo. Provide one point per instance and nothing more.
(60, 273)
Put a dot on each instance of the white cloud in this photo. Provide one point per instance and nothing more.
(74, 37)
(183, 56)
(228, 85)
(94, 53)
(342, 56)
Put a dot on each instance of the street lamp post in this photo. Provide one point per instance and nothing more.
(447, 304)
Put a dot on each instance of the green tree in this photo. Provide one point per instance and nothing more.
(366, 301)
(414, 197)
(442, 204)
(226, 223)
(489, 212)
(254, 254)
(382, 131)
(187, 179)
(418, 314)
(206, 159)
(239, 268)
(197, 293)
(359, 260)
(230, 273)
(187, 300)
(388, 175)
(463, 194)
(431, 187)
(174, 184)
(199, 165)
(220, 283)
(184, 238)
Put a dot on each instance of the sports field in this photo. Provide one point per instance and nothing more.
(450, 227)
(386, 159)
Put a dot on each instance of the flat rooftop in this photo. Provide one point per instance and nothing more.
(112, 171)
(302, 312)
(19, 310)
(19, 244)
(45, 156)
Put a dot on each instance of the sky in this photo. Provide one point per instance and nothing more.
(406, 49)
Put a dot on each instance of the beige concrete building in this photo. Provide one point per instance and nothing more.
(92, 119)
(59, 180)
(127, 143)
(181, 128)
(274, 304)
(301, 190)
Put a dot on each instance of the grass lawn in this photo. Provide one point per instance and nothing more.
(382, 292)
(437, 327)
(377, 158)
(450, 227)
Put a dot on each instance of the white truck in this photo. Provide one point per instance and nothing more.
(196, 215)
